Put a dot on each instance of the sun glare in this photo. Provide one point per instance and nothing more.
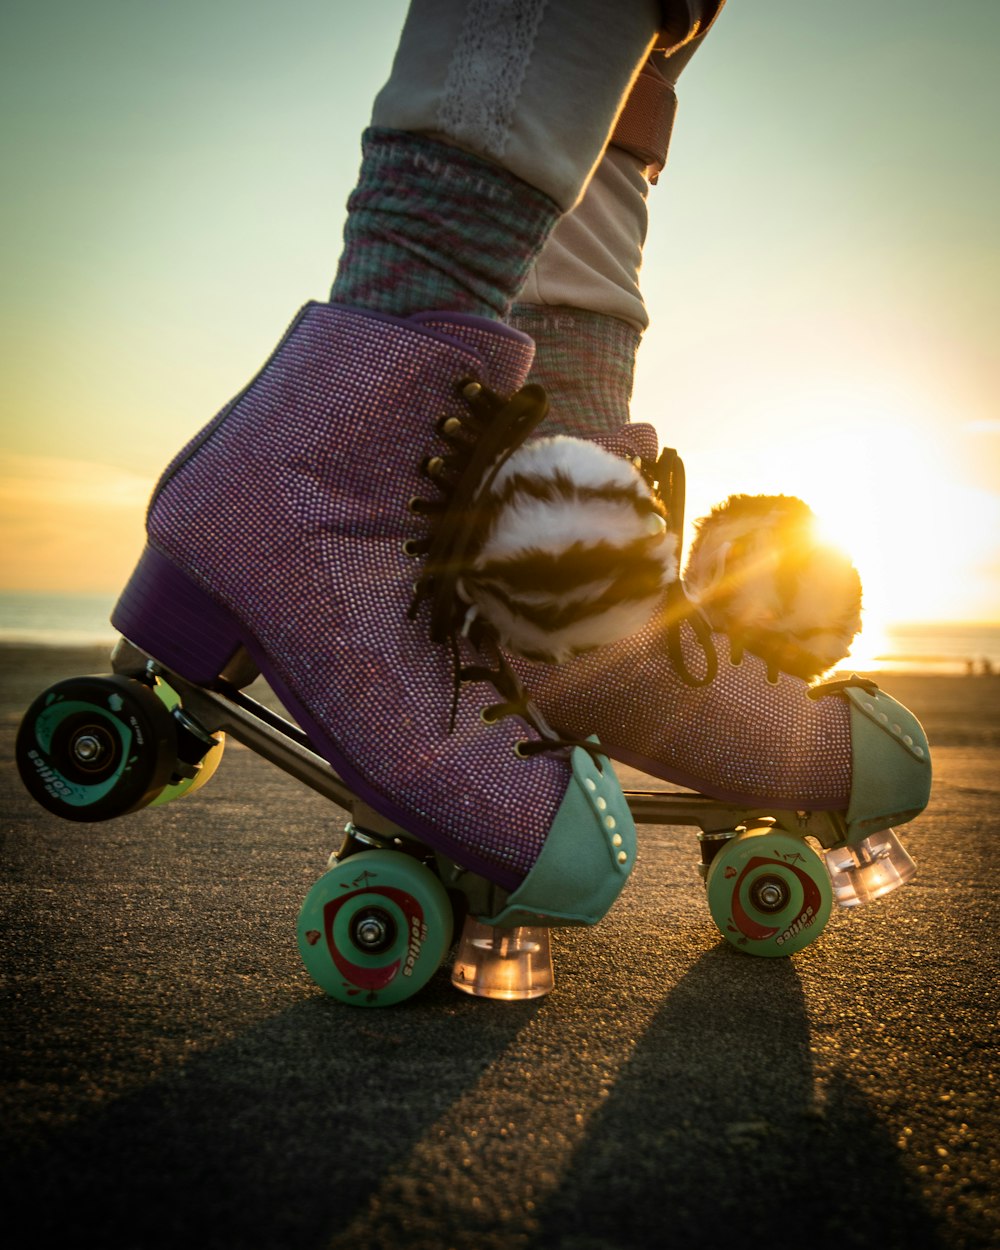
(917, 537)
(886, 489)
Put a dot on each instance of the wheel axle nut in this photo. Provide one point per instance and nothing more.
(373, 930)
(86, 748)
(770, 893)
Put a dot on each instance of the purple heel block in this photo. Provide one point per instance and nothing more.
(165, 613)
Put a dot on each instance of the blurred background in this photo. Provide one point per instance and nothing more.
(822, 275)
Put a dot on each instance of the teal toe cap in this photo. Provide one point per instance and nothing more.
(587, 857)
(891, 780)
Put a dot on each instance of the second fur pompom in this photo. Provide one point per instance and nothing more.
(763, 575)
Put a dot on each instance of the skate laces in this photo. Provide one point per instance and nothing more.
(479, 441)
(515, 702)
(737, 649)
(838, 684)
(666, 479)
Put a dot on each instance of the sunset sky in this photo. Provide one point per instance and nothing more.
(822, 269)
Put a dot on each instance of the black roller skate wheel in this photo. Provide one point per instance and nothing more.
(91, 748)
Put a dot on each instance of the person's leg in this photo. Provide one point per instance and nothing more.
(320, 523)
(582, 306)
(487, 131)
(534, 86)
(582, 301)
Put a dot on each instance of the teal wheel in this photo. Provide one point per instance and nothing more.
(769, 892)
(90, 748)
(374, 929)
(205, 748)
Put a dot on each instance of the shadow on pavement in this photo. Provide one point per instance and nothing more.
(716, 1135)
(271, 1140)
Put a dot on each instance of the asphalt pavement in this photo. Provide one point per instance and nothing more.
(172, 1077)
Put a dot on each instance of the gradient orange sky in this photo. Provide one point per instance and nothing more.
(822, 268)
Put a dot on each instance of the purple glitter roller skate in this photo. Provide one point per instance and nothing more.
(319, 531)
(326, 529)
(288, 528)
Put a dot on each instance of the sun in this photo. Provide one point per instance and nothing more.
(895, 501)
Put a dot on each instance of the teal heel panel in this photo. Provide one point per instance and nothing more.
(586, 859)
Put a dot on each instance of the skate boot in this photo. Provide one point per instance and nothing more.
(839, 760)
(313, 531)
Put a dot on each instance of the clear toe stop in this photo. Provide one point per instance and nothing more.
(509, 964)
(876, 866)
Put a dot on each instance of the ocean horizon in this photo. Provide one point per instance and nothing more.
(66, 620)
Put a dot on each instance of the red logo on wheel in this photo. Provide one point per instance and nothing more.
(811, 901)
(376, 978)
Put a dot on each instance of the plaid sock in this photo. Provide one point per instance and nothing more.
(430, 226)
(585, 361)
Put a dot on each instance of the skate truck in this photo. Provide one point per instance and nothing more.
(383, 917)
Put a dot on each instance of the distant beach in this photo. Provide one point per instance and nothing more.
(56, 620)
(64, 620)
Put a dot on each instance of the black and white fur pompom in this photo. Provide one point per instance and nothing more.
(763, 575)
(574, 551)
